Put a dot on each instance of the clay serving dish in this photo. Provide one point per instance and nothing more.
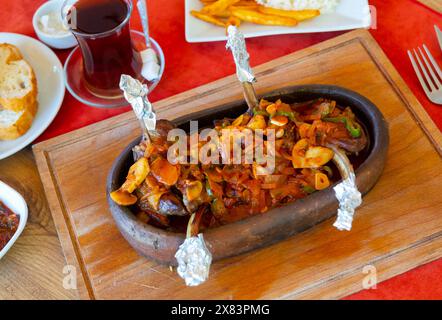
(277, 224)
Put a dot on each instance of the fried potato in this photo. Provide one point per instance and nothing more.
(232, 12)
(208, 18)
(235, 7)
(233, 21)
(299, 15)
(249, 3)
(245, 5)
(261, 18)
(218, 6)
(223, 14)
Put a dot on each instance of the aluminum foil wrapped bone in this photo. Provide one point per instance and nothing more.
(136, 94)
(194, 260)
(237, 45)
(349, 199)
(347, 191)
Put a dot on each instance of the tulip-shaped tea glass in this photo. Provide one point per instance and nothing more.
(107, 49)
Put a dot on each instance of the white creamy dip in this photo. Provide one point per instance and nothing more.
(51, 24)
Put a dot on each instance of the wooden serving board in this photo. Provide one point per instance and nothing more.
(398, 227)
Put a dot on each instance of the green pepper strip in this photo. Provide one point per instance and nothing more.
(260, 112)
(328, 170)
(209, 190)
(353, 129)
(288, 114)
(308, 189)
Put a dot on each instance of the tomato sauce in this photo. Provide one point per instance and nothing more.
(8, 224)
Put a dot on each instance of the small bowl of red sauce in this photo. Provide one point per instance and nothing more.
(13, 217)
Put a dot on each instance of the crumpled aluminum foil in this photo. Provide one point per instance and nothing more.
(349, 199)
(237, 45)
(194, 260)
(136, 94)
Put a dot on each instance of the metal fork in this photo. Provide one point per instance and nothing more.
(431, 84)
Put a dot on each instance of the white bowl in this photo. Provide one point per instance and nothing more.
(14, 201)
(63, 41)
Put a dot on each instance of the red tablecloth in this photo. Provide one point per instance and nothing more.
(402, 24)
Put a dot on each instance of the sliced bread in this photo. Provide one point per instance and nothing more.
(18, 93)
(14, 124)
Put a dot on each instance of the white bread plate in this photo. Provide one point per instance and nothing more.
(349, 14)
(50, 82)
(14, 201)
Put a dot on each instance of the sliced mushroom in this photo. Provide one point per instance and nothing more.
(123, 198)
(164, 171)
(306, 156)
(137, 174)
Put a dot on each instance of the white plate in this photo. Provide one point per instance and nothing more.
(350, 14)
(50, 82)
(14, 201)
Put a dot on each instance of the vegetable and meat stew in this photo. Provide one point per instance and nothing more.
(8, 224)
(305, 135)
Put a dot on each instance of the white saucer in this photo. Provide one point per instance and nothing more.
(73, 70)
(50, 81)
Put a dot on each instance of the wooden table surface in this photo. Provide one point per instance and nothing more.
(33, 268)
(433, 4)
